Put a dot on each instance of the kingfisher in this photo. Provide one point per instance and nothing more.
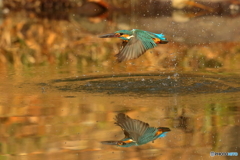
(136, 132)
(135, 42)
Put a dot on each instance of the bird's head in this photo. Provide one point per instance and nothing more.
(123, 34)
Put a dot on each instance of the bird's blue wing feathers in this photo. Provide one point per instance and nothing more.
(145, 38)
(136, 46)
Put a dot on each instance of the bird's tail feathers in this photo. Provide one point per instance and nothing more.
(160, 36)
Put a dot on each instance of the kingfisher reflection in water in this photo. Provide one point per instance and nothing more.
(136, 132)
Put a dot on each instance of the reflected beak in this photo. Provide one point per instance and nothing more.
(110, 142)
(110, 35)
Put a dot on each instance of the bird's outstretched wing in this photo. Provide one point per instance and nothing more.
(136, 46)
(132, 128)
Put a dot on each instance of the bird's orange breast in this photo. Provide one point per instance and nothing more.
(158, 132)
(128, 141)
(157, 40)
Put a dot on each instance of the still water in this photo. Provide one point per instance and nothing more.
(61, 86)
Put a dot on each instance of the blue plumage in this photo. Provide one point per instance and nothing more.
(160, 36)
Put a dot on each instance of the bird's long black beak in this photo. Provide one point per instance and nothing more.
(110, 35)
(110, 142)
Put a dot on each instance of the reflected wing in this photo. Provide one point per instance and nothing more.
(136, 46)
(152, 134)
(132, 128)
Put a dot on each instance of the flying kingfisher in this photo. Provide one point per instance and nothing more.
(136, 132)
(135, 42)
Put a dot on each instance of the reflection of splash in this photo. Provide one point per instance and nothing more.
(184, 122)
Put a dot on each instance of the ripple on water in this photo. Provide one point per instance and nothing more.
(150, 84)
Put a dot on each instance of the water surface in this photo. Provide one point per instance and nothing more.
(45, 114)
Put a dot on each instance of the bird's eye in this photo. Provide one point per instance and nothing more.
(121, 34)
